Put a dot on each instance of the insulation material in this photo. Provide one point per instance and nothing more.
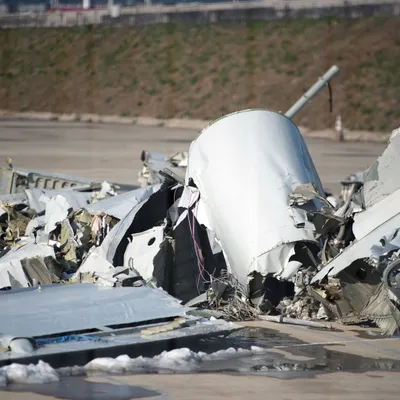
(34, 224)
(264, 153)
(57, 209)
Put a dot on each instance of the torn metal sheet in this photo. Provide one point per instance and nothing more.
(76, 200)
(16, 198)
(12, 273)
(119, 206)
(376, 215)
(148, 213)
(388, 243)
(358, 250)
(16, 180)
(369, 227)
(363, 297)
(116, 235)
(95, 263)
(381, 178)
(142, 249)
(265, 153)
(154, 162)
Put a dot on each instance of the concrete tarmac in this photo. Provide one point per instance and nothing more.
(352, 363)
(112, 152)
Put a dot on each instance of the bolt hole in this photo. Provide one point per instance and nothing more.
(361, 274)
(151, 241)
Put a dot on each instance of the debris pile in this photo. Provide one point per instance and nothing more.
(292, 249)
(154, 164)
(239, 227)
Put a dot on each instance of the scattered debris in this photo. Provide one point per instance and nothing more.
(102, 319)
(154, 163)
(247, 235)
(293, 321)
(208, 248)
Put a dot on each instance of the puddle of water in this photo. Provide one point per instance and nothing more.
(335, 330)
(286, 365)
(319, 359)
(80, 389)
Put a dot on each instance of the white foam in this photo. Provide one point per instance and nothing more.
(18, 373)
(179, 360)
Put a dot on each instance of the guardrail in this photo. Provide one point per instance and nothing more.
(202, 12)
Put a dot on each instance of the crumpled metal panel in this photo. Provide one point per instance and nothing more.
(76, 200)
(154, 162)
(376, 215)
(358, 250)
(381, 178)
(120, 206)
(11, 271)
(109, 246)
(264, 154)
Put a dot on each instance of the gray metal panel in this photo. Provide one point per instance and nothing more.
(76, 200)
(120, 206)
(60, 309)
(65, 353)
(381, 178)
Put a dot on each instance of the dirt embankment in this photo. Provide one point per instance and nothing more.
(205, 71)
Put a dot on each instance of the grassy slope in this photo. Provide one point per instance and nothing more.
(205, 71)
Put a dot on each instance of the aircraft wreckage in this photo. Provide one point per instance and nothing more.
(237, 228)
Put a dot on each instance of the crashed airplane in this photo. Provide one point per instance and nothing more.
(288, 248)
(238, 228)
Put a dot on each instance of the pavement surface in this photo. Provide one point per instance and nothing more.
(112, 152)
(303, 363)
(346, 362)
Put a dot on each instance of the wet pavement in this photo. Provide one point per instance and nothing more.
(291, 354)
(80, 389)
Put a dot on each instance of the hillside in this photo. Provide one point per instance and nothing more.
(204, 71)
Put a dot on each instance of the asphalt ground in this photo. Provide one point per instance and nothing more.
(112, 152)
